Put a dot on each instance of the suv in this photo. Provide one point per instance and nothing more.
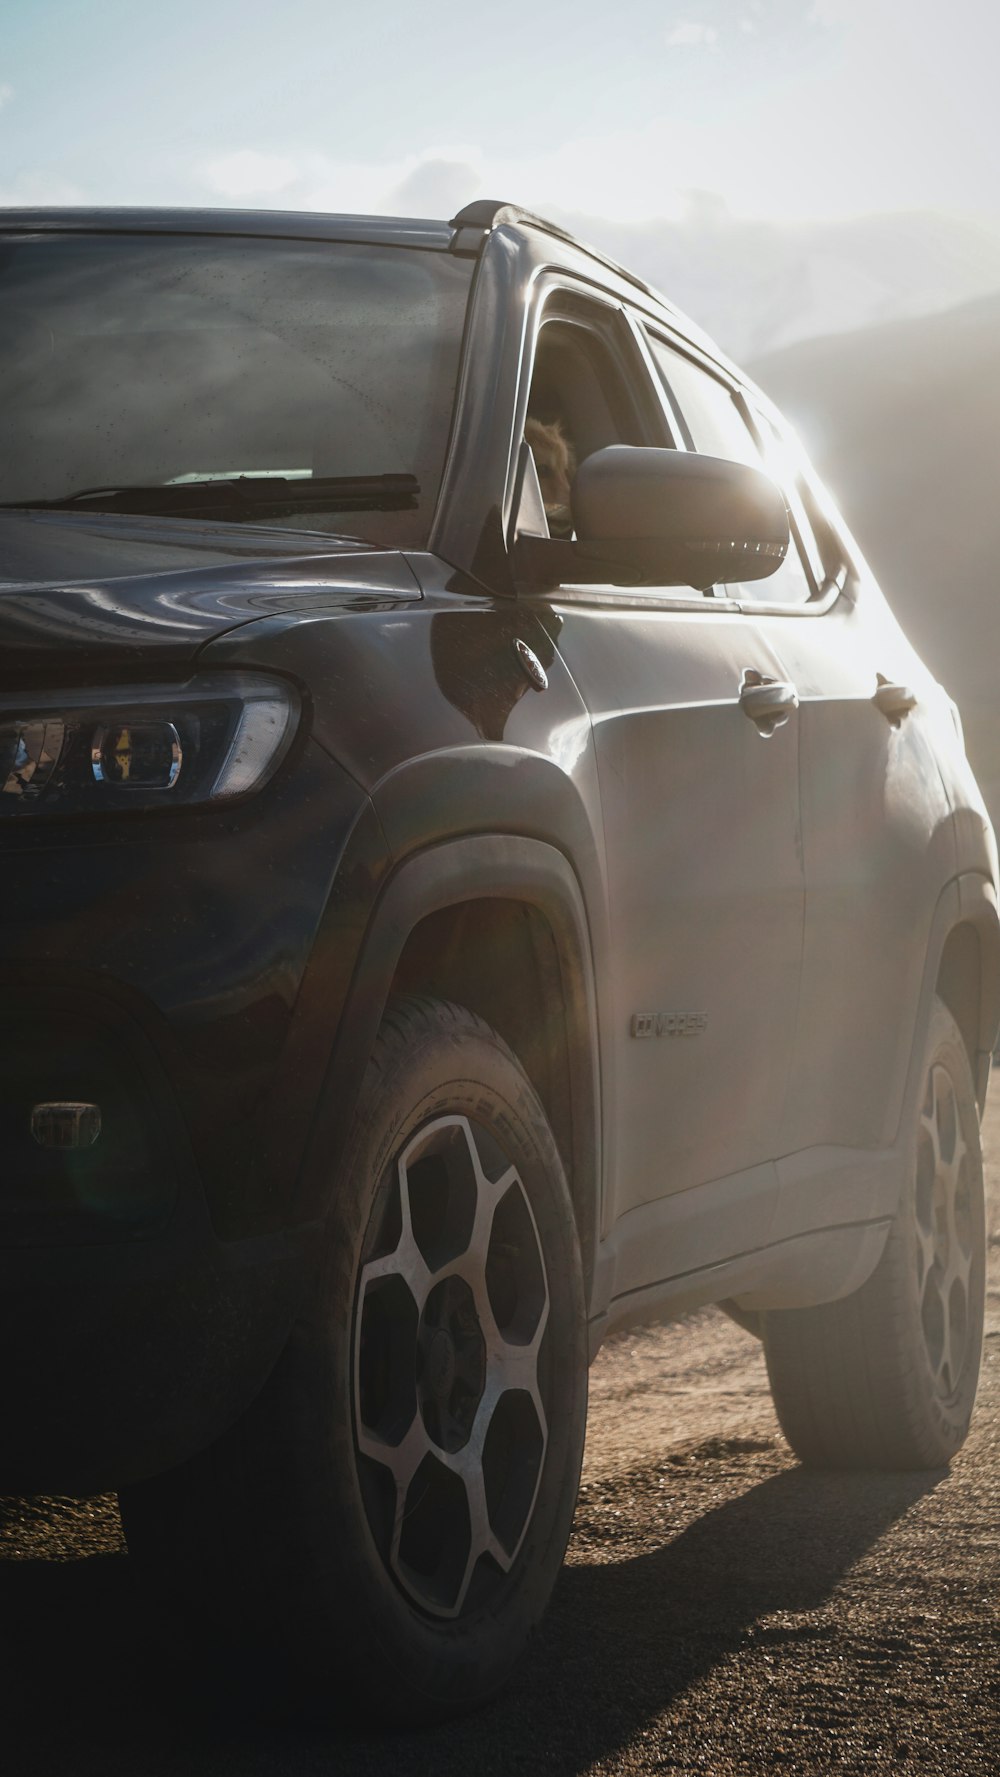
(436, 937)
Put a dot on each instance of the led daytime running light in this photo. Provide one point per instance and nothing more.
(260, 733)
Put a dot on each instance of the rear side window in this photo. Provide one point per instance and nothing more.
(783, 460)
(712, 420)
(718, 426)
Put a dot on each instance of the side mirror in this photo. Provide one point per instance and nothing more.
(664, 518)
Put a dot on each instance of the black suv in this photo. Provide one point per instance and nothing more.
(446, 920)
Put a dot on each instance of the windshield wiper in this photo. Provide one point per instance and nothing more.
(240, 495)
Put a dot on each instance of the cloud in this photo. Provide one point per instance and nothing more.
(6, 92)
(436, 187)
(435, 183)
(40, 189)
(688, 34)
(832, 13)
(249, 174)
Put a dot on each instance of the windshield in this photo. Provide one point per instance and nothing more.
(145, 362)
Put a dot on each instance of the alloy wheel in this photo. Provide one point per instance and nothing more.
(945, 1232)
(450, 1422)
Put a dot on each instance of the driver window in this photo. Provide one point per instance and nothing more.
(579, 401)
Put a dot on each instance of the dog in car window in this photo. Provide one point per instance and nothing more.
(555, 462)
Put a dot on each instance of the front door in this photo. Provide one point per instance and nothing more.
(701, 826)
(705, 887)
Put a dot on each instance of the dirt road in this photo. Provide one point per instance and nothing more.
(721, 1611)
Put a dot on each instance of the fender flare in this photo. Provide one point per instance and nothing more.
(475, 867)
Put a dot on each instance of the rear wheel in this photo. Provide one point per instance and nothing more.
(390, 1517)
(887, 1377)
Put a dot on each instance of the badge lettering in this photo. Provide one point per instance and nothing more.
(669, 1024)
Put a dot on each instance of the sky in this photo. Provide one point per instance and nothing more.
(777, 110)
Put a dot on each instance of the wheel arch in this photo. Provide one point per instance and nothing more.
(497, 923)
(963, 970)
(968, 975)
(959, 984)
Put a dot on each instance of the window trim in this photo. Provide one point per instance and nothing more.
(552, 280)
(550, 283)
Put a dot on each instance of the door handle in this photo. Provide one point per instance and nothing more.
(895, 701)
(768, 702)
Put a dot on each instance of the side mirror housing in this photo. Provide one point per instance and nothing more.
(664, 518)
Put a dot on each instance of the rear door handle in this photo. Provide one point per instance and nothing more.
(768, 702)
(895, 701)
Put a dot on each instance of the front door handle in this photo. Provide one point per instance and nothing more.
(768, 702)
(895, 701)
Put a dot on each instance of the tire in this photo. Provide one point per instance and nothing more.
(388, 1521)
(887, 1378)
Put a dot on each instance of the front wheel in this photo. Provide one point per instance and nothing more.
(394, 1509)
(887, 1377)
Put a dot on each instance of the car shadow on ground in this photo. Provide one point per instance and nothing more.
(84, 1693)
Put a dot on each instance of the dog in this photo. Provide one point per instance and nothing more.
(555, 462)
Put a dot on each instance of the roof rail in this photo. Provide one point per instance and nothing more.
(489, 212)
(473, 223)
(485, 212)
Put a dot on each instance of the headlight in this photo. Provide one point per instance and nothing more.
(140, 747)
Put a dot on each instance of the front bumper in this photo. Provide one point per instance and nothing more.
(122, 1361)
(182, 975)
(133, 1334)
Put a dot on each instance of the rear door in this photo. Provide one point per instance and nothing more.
(877, 837)
(701, 822)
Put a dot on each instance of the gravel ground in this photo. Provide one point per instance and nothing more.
(721, 1610)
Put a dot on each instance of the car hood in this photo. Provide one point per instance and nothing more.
(99, 590)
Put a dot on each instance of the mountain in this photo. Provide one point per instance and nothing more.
(758, 286)
(903, 422)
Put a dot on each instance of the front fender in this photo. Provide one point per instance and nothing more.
(481, 866)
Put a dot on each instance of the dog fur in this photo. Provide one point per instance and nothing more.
(556, 464)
